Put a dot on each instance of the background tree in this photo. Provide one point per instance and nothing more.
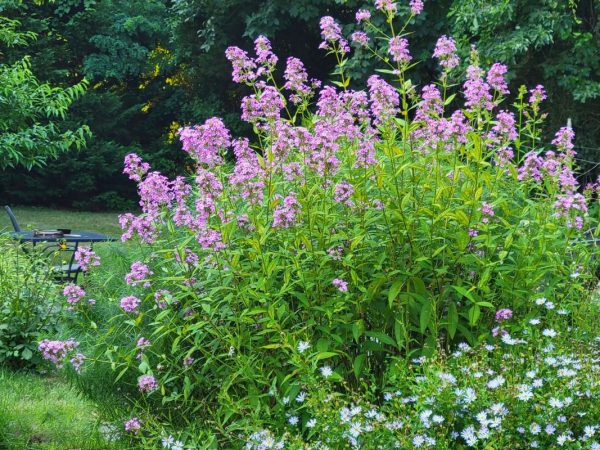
(31, 111)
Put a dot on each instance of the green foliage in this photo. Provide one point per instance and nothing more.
(29, 304)
(29, 133)
(243, 290)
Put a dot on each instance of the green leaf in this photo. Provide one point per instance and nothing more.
(394, 291)
(452, 319)
(358, 364)
(425, 316)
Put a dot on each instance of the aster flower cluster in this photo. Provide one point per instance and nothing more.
(57, 351)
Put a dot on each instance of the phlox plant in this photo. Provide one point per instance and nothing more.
(366, 227)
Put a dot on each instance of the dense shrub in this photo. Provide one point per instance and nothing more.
(29, 304)
(381, 227)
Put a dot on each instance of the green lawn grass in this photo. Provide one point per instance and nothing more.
(44, 218)
(45, 413)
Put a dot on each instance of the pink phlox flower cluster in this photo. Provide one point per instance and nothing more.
(331, 33)
(264, 55)
(57, 351)
(134, 167)
(139, 273)
(244, 67)
(340, 284)
(571, 203)
(503, 314)
(476, 90)
(247, 178)
(190, 258)
(266, 105)
(77, 362)
(210, 239)
(130, 304)
(503, 156)
(363, 15)
(531, 167)
(133, 425)
(398, 49)
(86, 258)
(495, 78)
(324, 159)
(563, 139)
(147, 383)
(365, 153)
(445, 51)
(343, 193)
(143, 343)
(205, 142)
(159, 298)
(296, 77)
(286, 212)
(361, 38)
(442, 131)
(487, 211)
(387, 6)
(336, 253)
(73, 293)
(385, 100)
(537, 95)
(504, 130)
(416, 7)
(143, 225)
(431, 104)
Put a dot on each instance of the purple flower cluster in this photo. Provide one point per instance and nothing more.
(503, 314)
(206, 142)
(445, 51)
(384, 99)
(340, 284)
(73, 293)
(398, 49)
(147, 383)
(57, 351)
(332, 35)
(487, 211)
(133, 425)
(363, 15)
(416, 7)
(86, 258)
(495, 78)
(135, 168)
(139, 273)
(130, 304)
(343, 193)
(476, 90)
(285, 214)
(387, 6)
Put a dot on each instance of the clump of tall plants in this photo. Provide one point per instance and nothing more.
(366, 227)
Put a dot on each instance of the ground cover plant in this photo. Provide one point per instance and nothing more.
(361, 231)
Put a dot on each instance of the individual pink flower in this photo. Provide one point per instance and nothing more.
(130, 304)
(487, 211)
(77, 362)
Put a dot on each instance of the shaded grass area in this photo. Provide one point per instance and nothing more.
(45, 413)
(44, 218)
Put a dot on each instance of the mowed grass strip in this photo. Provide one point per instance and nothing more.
(45, 219)
(45, 413)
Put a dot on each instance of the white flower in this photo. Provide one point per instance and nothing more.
(437, 419)
(285, 400)
(575, 274)
(548, 332)
(555, 403)
(496, 382)
(560, 440)
(550, 305)
(534, 321)
(168, 441)
(301, 397)
(326, 371)
(468, 434)
(550, 429)
(540, 301)
(418, 441)
(177, 445)
(303, 346)
(534, 428)
(293, 420)
(525, 393)
(589, 431)
(311, 423)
